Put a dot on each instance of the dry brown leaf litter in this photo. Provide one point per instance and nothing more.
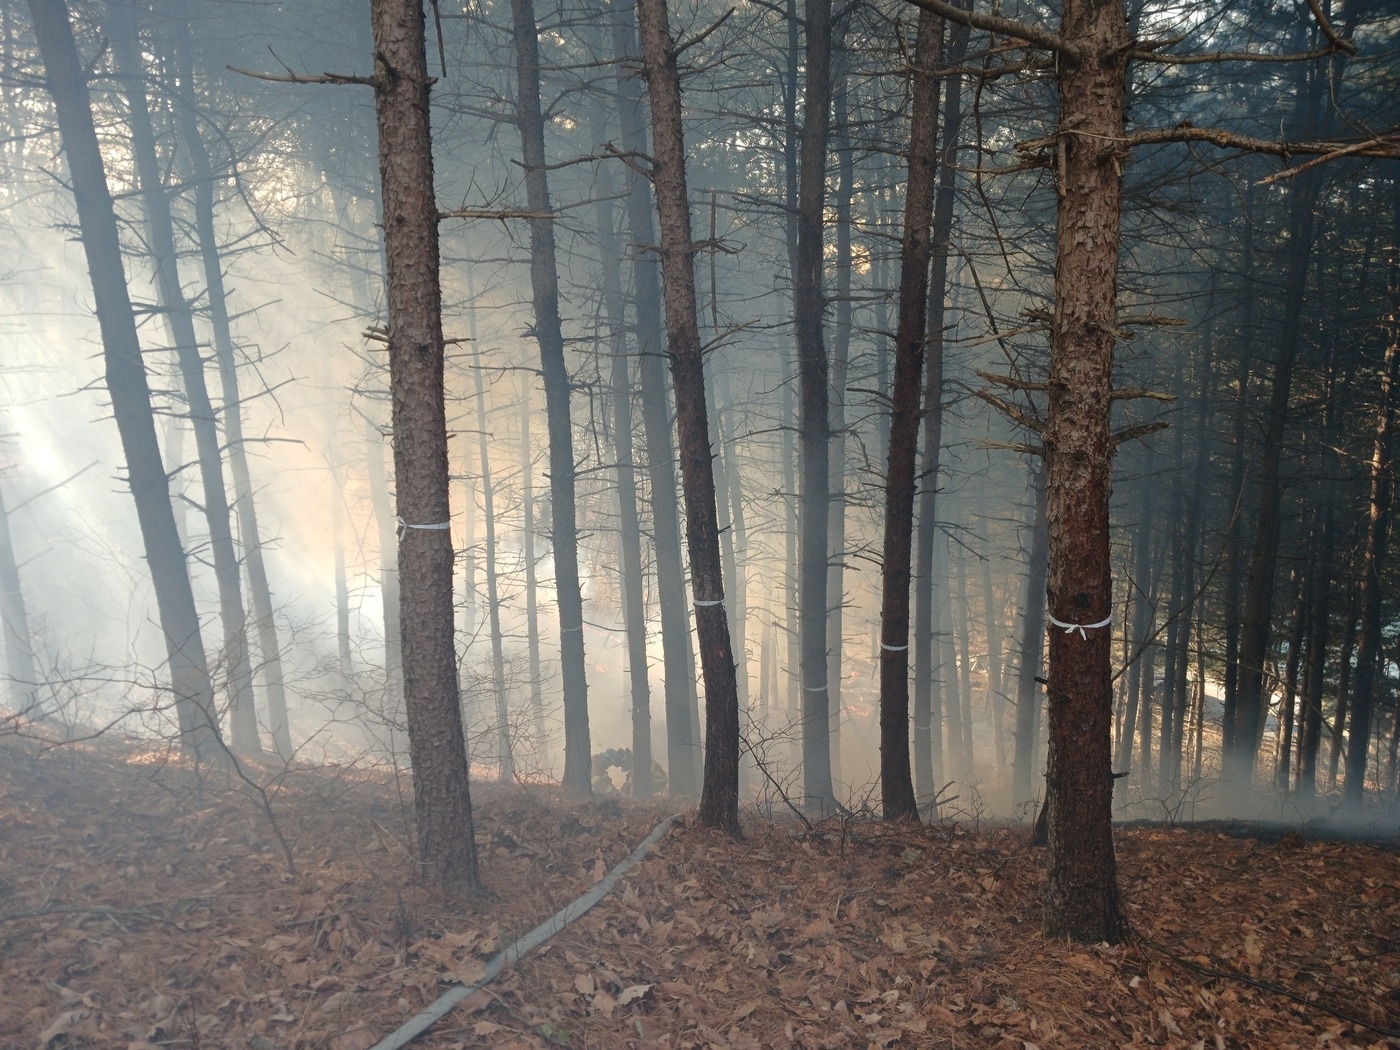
(142, 908)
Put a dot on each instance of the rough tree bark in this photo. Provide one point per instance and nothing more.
(437, 748)
(1082, 891)
(719, 795)
(127, 382)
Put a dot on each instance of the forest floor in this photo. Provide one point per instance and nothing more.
(143, 907)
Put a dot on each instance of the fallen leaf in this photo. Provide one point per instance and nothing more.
(633, 993)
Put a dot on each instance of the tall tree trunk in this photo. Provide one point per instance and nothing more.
(682, 712)
(245, 509)
(1380, 507)
(719, 797)
(1283, 758)
(814, 422)
(630, 537)
(505, 753)
(840, 367)
(345, 661)
(996, 702)
(527, 547)
(1023, 783)
(392, 701)
(544, 281)
(1082, 894)
(127, 382)
(1320, 570)
(928, 688)
(896, 782)
(437, 747)
(1244, 723)
(179, 317)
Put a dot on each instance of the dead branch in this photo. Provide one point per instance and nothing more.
(1134, 432)
(1003, 26)
(1011, 382)
(494, 213)
(301, 78)
(1387, 145)
(1132, 393)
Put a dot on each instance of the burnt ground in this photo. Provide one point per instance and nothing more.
(142, 906)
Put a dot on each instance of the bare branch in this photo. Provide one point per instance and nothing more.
(1003, 26)
(1354, 149)
(498, 213)
(1328, 31)
(1386, 145)
(1013, 412)
(301, 78)
(1130, 393)
(1223, 56)
(1134, 432)
(1011, 382)
(681, 48)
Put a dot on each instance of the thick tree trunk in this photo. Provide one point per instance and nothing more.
(126, 381)
(814, 423)
(682, 713)
(544, 282)
(437, 747)
(1082, 893)
(245, 509)
(719, 797)
(896, 782)
(179, 317)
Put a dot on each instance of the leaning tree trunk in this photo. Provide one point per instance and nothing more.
(814, 423)
(127, 382)
(678, 660)
(544, 282)
(719, 797)
(245, 509)
(896, 783)
(160, 229)
(1082, 891)
(437, 747)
